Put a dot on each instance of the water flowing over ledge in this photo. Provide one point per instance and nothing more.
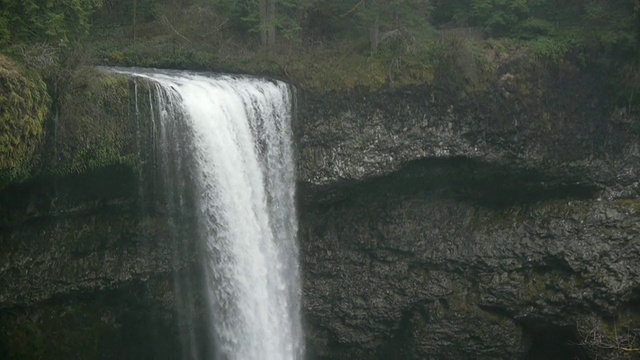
(226, 143)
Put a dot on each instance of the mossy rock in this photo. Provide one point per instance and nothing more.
(428, 333)
(97, 124)
(24, 105)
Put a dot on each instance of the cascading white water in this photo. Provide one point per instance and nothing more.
(236, 135)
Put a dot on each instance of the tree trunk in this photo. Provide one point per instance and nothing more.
(374, 34)
(262, 4)
(135, 10)
(271, 26)
(636, 9)
(267, 23)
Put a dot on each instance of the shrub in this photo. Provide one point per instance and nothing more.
(24, 104)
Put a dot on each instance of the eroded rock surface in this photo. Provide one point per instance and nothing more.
(498, 224)
(490, 227)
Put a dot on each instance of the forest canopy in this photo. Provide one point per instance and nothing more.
(350, 42)
(63, 20)
(45, 20)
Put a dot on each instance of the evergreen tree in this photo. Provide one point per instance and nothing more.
(45, 20)
(267, 17)
(384, 18)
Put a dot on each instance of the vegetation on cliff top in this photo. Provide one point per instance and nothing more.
(60, 117)
(368, 44)
(318, 45)
(336, 45)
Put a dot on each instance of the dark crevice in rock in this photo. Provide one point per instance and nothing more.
(552, 343)
(486, 184)
(496, 311)
(399, 345)
(53, 197)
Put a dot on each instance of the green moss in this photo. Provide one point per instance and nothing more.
(24, 104)
(539, 285)
(632, 203)
(501, 218)
(534, 287)
(95, 125)
(519, 214)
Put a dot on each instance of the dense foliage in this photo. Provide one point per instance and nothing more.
(552, 28)
(319, 45)
(388, 37)
(55, 21)
(24, 104)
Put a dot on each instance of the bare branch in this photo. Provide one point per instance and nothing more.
(354, 8)
(165, 20)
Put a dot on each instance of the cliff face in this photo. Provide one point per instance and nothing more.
(499, 225)
(502, 223)
(89, 269)
(94, 262)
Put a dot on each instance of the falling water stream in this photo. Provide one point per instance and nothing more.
(233, 135)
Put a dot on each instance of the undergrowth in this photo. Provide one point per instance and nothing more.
(24, 104)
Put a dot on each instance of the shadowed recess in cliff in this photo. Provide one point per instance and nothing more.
(75, 194)
(464, 179)
(225, 154)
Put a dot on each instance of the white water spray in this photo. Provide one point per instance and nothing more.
(236, 134)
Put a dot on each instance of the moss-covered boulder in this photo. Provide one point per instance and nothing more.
(95, 124)
(24, 104)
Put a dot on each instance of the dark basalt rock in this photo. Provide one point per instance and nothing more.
(434, 277)
(489, 227)
(88, 269)
(503, 224)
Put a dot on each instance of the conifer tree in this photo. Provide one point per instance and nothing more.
(55, 21)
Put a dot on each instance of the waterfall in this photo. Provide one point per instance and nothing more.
(228, 141)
